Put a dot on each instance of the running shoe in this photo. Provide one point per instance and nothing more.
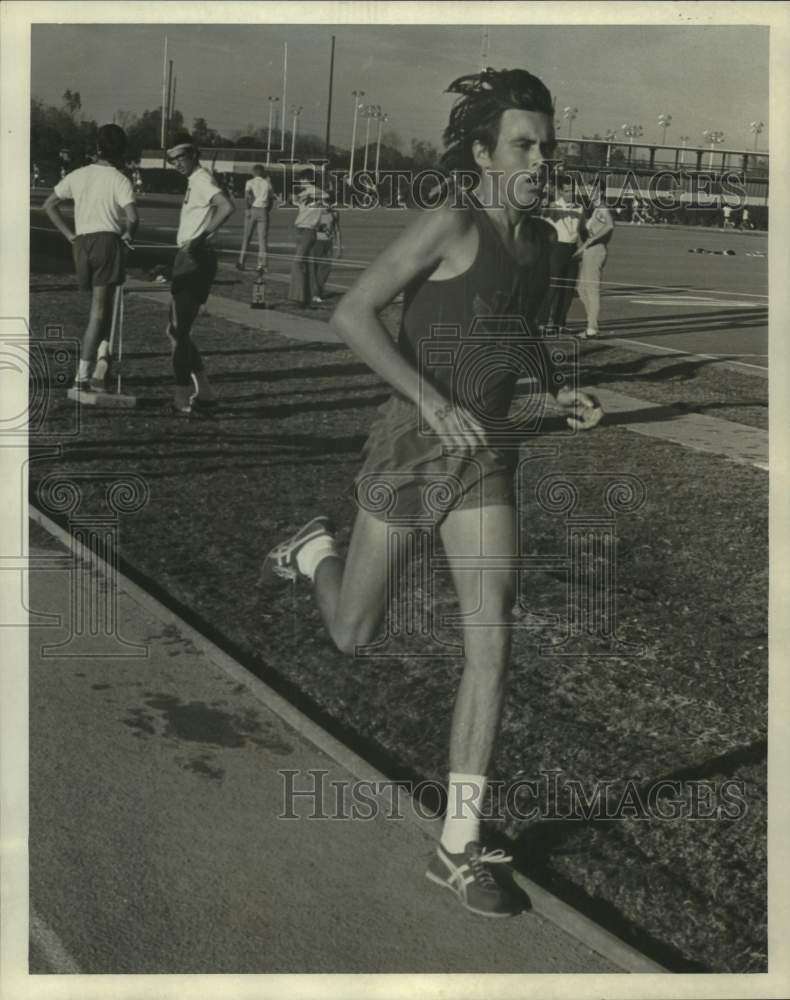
(469, 876)
(280, 563)
(239, 265)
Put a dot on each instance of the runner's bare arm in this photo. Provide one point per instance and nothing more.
(57, 220)
(418, 251)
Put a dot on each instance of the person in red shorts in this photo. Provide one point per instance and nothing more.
(476, 268)
(105, 218)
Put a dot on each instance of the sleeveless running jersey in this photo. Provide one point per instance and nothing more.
(473, 336)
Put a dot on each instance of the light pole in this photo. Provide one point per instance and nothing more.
(383, 119)
(683, 140)
(370, 112)
(664, 121)
(569, 114)
(756, 128)
(713, 136)
(633, 132)
(272, 102)
(610, 135)
(295, 112)
(356, 94)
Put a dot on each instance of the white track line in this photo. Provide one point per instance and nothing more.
(614, 341)
(565, 917)
(53, 949)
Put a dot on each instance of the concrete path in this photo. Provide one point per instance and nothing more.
(157, 837)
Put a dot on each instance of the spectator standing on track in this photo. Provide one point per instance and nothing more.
(303, 278)
(746, 222)
(726, 211)
(593, 252)
(205, 208)
(487, 255)
(566, 218)
(36, 175)
(258, 198)
(105, 218)
(328, 244)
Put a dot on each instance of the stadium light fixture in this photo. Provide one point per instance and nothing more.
(569, 114)
(632, 131)
(714, 136)
(664, 121)
(368, 113)
(356, 94)
(383, 118)
(756, 128)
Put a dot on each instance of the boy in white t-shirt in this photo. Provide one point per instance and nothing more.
(205, 208)
(258, 197)
(105, 218)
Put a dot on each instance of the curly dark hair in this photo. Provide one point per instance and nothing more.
(477, 112)
(111, 144)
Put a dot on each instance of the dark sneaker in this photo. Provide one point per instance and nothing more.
(280, 563)
(239, 265)
(190, 410)
(204, 406)
(469, 876)
(83, 385)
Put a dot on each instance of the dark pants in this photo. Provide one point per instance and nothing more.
(303, 280)
(563, 284)
(322, 254)
(193, 274)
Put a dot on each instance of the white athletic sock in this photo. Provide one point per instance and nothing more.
(465, 794)
(103, 351)
(84, 371)
(315, 551)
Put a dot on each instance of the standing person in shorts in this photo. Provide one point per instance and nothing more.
(485, 256)
(105, 219)
(258, 197)
(205, 208)
(593, 253)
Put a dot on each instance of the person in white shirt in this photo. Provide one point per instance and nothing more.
(258, 197)
(205, 208)
(303, 285)
(565, 217)
(726, 212)
(593, 253)
(105, 218)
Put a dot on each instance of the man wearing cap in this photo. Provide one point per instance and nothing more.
(205, 208)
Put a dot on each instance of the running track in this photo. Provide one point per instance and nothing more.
(658, 297)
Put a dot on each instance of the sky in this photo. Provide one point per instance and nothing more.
(705, 77)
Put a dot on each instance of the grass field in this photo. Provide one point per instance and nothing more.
(691, 589)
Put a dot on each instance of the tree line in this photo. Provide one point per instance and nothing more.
(64, 129)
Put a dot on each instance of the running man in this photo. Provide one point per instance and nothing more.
(454, 264)
(105, 219)
(258, 197)
(206, 207)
